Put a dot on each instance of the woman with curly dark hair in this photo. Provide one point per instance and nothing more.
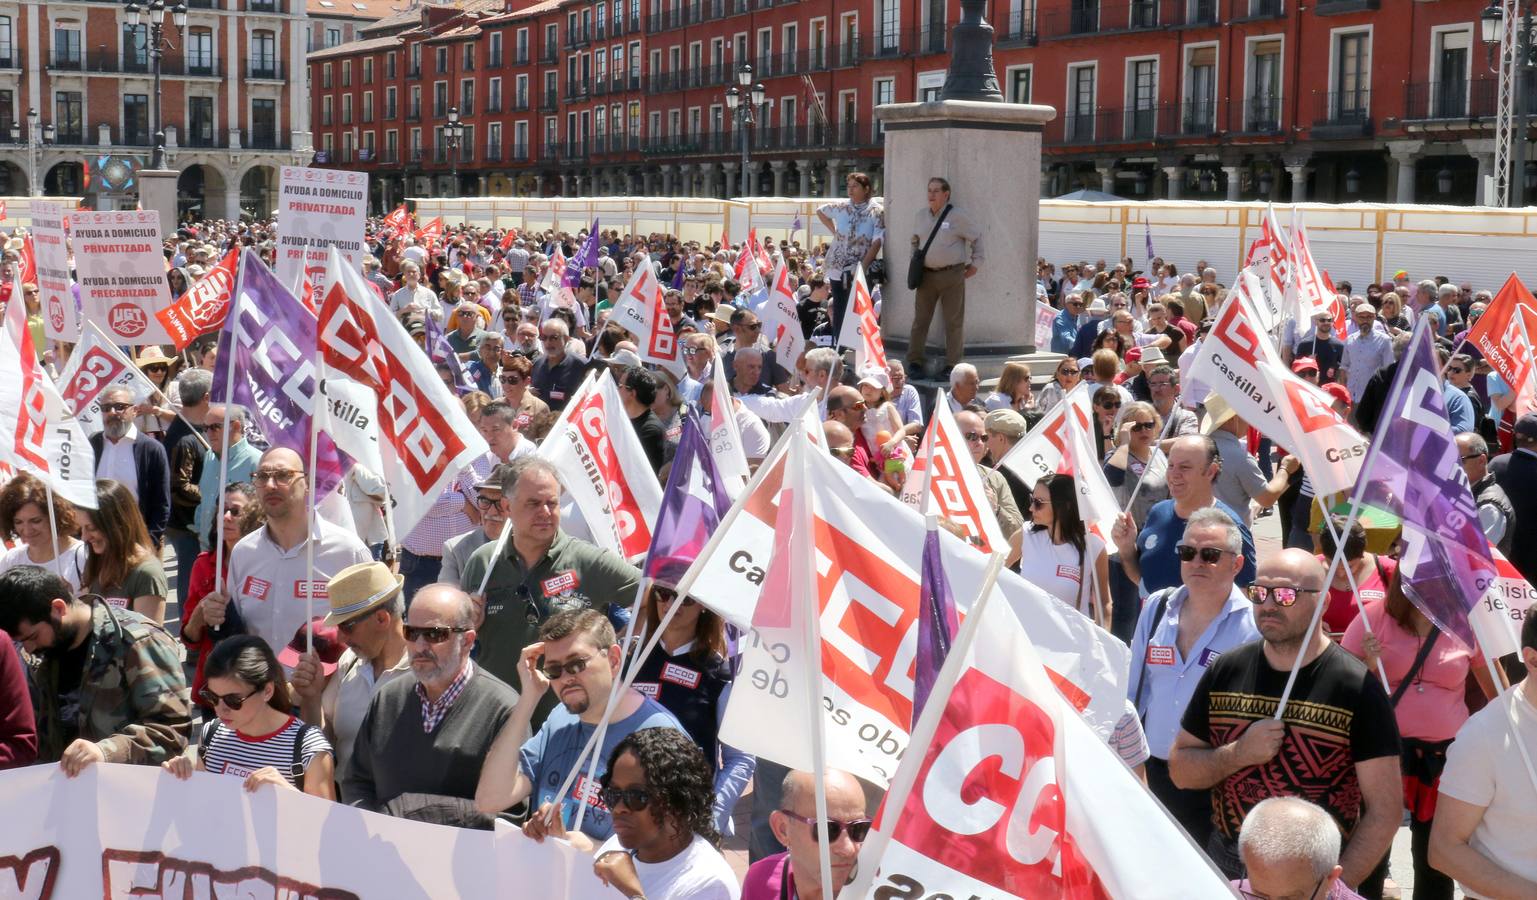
(658, 791)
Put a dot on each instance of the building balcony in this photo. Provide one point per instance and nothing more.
(1161, 123)
(493, 154)
(390, 156)
(268, 71)
(549, 55)
(578, 90)
(1250, 10)
(1261, 115)
(266, 6)
(551, 102)
(1456, 100)
(519, 153)
(66, 61)
(1343, 114)
(578, 38)
(1343, 7)
(520, 103)
(1019, 31)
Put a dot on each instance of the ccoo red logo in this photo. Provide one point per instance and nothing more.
(127, 320)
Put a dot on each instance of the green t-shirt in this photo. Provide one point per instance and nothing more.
(147, 579)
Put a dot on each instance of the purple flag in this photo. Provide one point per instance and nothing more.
(267, 364)
(441, 352)
(1414, 471)
(678, 274)
(796, 225)
(1147, 234)
(586, 258)
(937, 623)
(692, 506)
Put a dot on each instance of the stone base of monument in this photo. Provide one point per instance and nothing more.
(157, 193)
(991, 155)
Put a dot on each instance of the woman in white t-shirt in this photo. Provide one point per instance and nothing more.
(24, 516)
(658, 788)
(1057, 548)
(255, 736)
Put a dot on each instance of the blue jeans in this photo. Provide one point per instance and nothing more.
(418, 571)
(186, 547)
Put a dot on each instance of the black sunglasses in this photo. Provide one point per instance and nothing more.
(1209, 555)
(858, 829)
(1143, 426)
(636, 799)
(233, 701)
(1281, 595)
(433, 634)
(116, 407)
(554, 671)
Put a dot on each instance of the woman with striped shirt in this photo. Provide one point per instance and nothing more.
(255, 736)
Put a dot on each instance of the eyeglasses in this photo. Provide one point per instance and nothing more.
(666, 595)
(157, 367)
(233, 701)
(1455, 370)
(213, 426)
(1143, 426)
(1209, 555)
(1280, 595)
(975, 437)
(116, 407)
(485, 502)
(279, 477)
(636, 799)
(554, 671)
(1113, 404)
(512, 379)
(1038, 503)
(1472, 456)
(1067, 372)
(754, 326)
(842, 452)
(432, 634)
(347, 626)
(857, 830)
(1251, 895)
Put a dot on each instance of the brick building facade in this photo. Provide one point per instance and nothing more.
(1333, 100)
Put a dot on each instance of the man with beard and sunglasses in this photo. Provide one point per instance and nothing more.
(1336, 744)
(110, 685)
(420, 747)
(577, 657)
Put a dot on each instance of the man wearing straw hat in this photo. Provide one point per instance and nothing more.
(367, 607)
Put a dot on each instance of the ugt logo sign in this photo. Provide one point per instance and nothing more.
(987, 801)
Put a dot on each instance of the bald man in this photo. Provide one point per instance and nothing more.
(846, 407)
(269, 576)
(993, 483)
(796, 873)
(1336, 744)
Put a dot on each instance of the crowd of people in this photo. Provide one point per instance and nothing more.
(455, 677)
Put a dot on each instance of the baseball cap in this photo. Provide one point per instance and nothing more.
(1526, 426)
(1006, 422)
(624, 358)
(1134, 355)
(328, 645)
(1338, 392)
(1303, 363)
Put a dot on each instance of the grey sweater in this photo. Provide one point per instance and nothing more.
(394, 756)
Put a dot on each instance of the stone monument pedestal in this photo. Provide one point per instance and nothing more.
(157, 192)
(991, 155)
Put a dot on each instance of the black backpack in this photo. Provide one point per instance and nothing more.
(295, 768)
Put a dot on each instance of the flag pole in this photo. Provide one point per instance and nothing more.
(1163, 435)
(1355, 589)
(803, 547)
(53, 527)
(1354, 513)
(112, 348)
(309, 541)
(217, 543)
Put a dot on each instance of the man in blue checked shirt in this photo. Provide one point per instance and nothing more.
(1181, 631)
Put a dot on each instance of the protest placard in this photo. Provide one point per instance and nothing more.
(318, 209)
(121, 268)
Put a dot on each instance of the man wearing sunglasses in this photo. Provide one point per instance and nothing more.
(576, 658)
(110, 682)
(134, 458)
(795, 873)
(420, 746)
(1336, 744)
(1182, 630)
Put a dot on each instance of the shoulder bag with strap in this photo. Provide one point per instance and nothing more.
(1158, 611)
(1414, 667)
(915, 265)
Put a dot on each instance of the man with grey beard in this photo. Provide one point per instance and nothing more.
(138, 460)
(419, 750)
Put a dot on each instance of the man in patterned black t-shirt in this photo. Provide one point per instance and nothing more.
(1336, 745)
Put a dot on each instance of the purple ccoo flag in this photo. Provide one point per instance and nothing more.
(441, 352)
(266, 363)
(1147, 234)
(692, 506)
(678, 275)
(937, 622)
(586, 258)
(1414, 471)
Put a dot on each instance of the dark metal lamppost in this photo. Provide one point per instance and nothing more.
(453, 133)
(971, 75)
(741, 101)
(156, 45)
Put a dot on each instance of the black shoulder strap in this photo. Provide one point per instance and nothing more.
(1414, 667)
(204, 739)
(935, 230)
(1158, 611)
(297, 769)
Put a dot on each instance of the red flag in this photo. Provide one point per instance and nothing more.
(2, 211)
(28, 261)
(1504, 338)
(430, 233)
(204, 306)
(399, 219)
(508, 238)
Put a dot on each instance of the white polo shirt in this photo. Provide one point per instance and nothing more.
(268, 583)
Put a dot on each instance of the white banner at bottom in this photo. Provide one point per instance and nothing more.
(134, 831)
